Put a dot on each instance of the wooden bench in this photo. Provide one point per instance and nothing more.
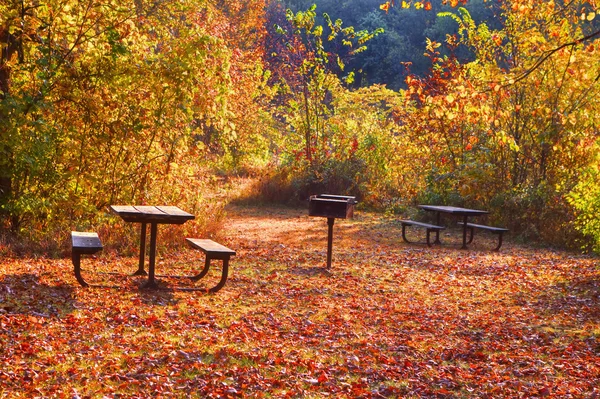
(87, 243)
(495, 230)
(428, 227)
(212, 250)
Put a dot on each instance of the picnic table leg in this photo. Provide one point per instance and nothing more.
(438, 220)
(151, 283)
(140, 271)
(464, 246)
(330, 222)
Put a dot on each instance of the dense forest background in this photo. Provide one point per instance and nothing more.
(474, 103)
(399, 52)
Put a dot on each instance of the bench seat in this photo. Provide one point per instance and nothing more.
(427, 226)
(212, 250)
(492, 229)
(87, 243)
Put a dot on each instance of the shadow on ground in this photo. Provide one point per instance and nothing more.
(576, 301)
(26, 294)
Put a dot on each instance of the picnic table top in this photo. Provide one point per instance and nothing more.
(152, 214)
(453, 210)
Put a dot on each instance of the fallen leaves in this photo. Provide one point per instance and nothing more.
(388, 320)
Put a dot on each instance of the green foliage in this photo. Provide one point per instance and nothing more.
(585, 199)
(399, 49)
(314, 151)
(358, 152)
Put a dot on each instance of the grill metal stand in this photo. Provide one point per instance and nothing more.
(331, 207)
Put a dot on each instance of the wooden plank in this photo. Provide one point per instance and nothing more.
(151, 214)
(421, 224)
(127, 213)
(484, 227)
(118, 209)
(175, 211)
(85, 242)
(209, 246)
(149, 210)
(453, 210)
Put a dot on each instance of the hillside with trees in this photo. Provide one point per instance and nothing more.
(399, 52)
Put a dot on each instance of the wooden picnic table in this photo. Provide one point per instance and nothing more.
(154, 215)
(465, 213)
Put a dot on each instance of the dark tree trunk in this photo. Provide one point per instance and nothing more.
(12, 47)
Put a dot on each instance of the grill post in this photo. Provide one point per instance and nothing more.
(330, 222)
(331, 207)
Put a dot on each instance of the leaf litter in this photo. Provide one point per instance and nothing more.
(387, 320)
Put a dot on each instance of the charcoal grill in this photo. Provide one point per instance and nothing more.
(331, 207)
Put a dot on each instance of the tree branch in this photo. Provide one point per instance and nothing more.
(549, 54)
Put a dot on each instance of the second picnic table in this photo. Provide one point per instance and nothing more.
(465, 213)
(154, 215)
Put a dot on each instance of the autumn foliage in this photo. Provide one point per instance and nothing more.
(198, 103)
(143, 103)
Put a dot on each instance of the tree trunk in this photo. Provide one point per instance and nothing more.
(307, 135)
(12, 47)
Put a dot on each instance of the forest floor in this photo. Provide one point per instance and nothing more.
(388, 319)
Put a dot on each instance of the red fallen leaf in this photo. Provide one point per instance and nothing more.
(34, 320)
(25, 347)
(323, 378)
(150, 320)
(358, 389)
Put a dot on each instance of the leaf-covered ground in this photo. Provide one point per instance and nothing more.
(388, 320)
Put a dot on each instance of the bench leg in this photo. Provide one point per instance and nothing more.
(404, 234)
(76, 258)
(428, 234)
(223, 276)
(499, 242)
(204, 271)
(470, 240)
